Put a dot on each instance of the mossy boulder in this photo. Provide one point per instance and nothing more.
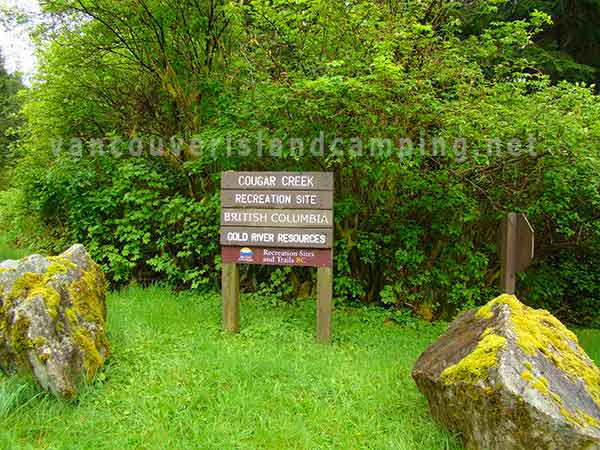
(53, 319)
(510, 377)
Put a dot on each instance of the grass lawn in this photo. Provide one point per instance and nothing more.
(175, 381)
(8, 250)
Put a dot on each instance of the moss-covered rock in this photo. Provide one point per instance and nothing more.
(53, 319)
(509, 377)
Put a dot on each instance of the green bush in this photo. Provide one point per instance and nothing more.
(13, 220)
(415, 231)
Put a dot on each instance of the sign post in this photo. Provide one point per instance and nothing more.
(231, 297)
(324, 305)
(516, 249)
(282, 219)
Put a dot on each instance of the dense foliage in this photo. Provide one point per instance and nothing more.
(415, 226)
(10, 84)
(570, 47)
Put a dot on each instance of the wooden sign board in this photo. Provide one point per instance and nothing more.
(277, 199)
(294, 218)
(277, 237)
(278, 181)
(277, 256)
(516, 249)
(277, 218)
(525, 243)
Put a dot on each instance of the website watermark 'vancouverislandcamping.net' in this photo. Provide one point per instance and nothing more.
(259, 146)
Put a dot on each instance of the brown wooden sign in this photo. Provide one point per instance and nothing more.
(278, 256)
(292, 218)
(277, 199)
(525, 243)
(276, 237)
(272, 181)
(516, 249)
(277, 218)
(277, 209)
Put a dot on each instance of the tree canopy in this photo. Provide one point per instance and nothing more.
(382, 83)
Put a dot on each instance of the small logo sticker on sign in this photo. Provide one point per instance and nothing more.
(246, 254)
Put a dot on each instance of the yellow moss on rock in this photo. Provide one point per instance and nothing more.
(538, 331)
(527, 376)
(31, 285)
(39, 341)
(476, 365)
(574, 419)
(86, 296)
(591, 421)
(486, 333)
(71, 316)
(19, 340)
(93, 360)
(62, 263)
(55, 269)
(540, 384)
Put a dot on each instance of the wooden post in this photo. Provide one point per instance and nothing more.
(507, 253)
(230, 288)
(324, 304)
(517, 242)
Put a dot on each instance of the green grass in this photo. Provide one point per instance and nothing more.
(590, 341)
(175, 381)
(8, 250)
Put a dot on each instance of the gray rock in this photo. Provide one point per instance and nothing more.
(53, 319)
(509, 377)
